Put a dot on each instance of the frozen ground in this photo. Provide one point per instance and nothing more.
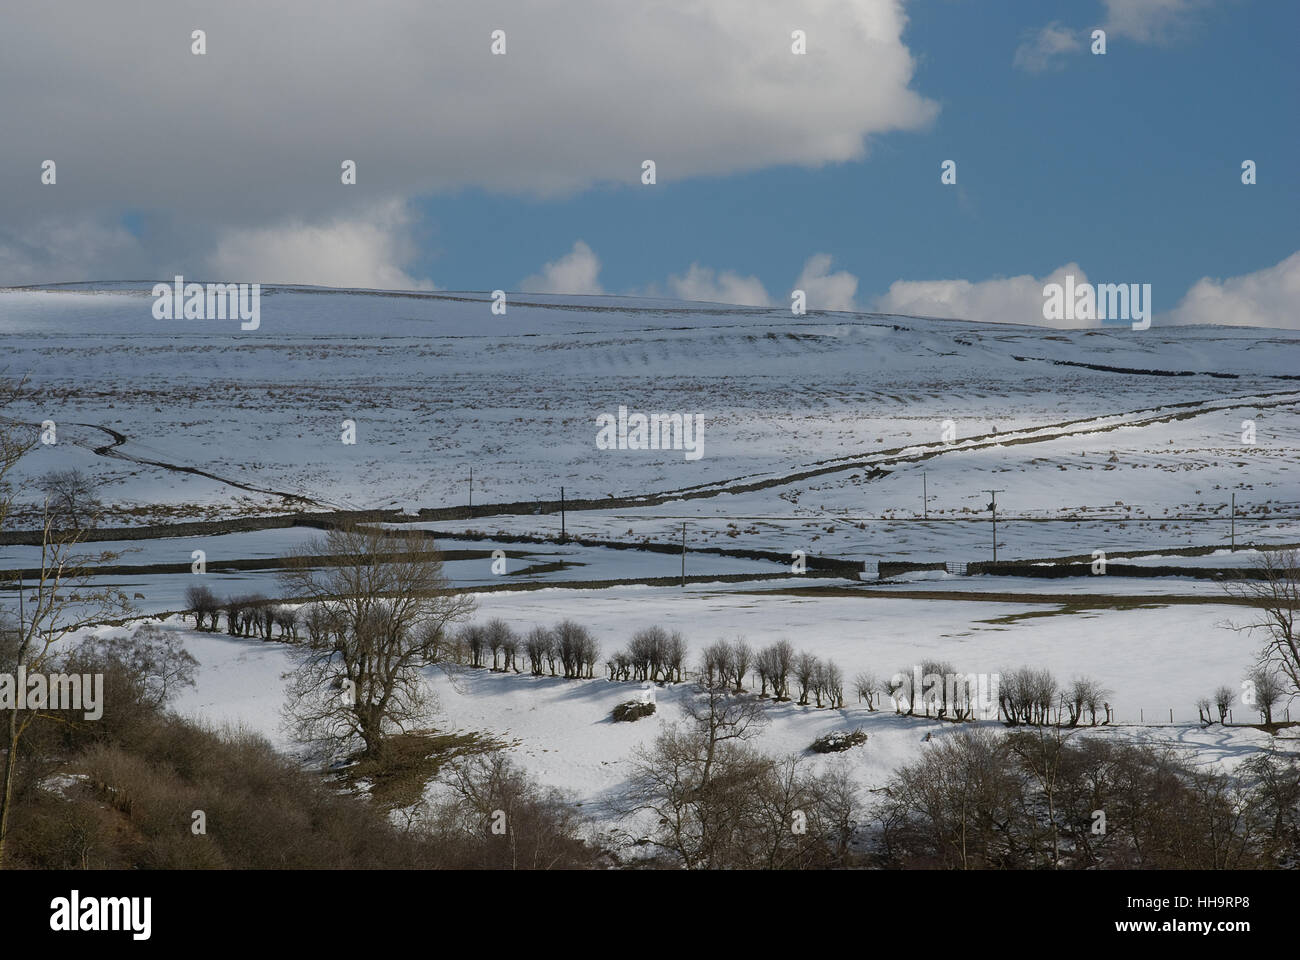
(821, 432)
(436, 384)
(1153, 660)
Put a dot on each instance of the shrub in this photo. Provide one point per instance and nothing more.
(838, 741)
(633, 710)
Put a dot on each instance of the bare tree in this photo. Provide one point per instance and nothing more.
(537, 646)
(1203, 711)
(698, 780)
(774, 665)
(720, 716)
(71, 498)
(155, 661)
(832, 685)
(473, 638)
(1275, 592)
(510, 651)
(61, 602)
(1269, 687)
(868, 687)
(805, 669)
(1223, 698)
(1085, 695)
(203, 604)
(741, 656)
(388, 612)
(286, 618)
(498, 632)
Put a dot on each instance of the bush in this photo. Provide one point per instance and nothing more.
(633, 710)
(838, 741)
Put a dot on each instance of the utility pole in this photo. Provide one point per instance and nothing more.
(993, 505)
(563, 537)
(683, 554)
(1234, 522)
(471, 488)
(925, 499)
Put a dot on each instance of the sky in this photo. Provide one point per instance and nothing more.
(774, 170)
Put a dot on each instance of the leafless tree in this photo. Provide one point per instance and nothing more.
(715, 664)
(833, 684)
(868, 687)
(203, 604)
(741, 656)
(155, 661)
(1204, 711)
(71, 498)
(510, 651)
(474, 638)
(577, 649)
(1084, 695)
(495, 818)
(61, 602)
(388, 614)
(1275, 592)
(674, 657)
(774, 665)
(1269, 686)
(537, 646)
(805, 670)
(286, 618)
(1027, 696)
(498, 632)
(1223, 699)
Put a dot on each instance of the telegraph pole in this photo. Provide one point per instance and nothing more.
(1234, 522)
(925, 499)
(471, 488)
(994, 507)
(563, 537)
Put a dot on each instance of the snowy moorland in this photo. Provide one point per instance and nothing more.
(820, 435)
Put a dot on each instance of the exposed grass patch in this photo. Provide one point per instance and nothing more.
(411, 760)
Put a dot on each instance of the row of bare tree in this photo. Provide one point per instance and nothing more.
(568, 645)
(653, 655)
(247, 616)
(1024, 696)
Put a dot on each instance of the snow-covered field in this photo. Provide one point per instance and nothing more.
(820, 435)
(1153, 660)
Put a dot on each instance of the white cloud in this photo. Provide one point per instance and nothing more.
(1266, 298)
(1046, 47)
(251, 135)
(367, 250)
(577, 272)
(1142, 21)
(702, 283)
(1150, 21)
(826, 290)
(1001, 300)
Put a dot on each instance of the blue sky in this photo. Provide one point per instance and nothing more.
(1127, 163)
(520, 171)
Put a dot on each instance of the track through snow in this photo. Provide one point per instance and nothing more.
(915, 453)
(877, 464)
(111, 450)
